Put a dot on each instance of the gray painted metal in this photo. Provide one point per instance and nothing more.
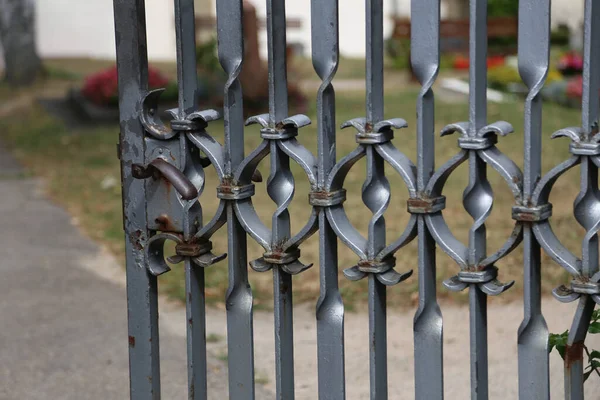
(330, 308)
(239, 294)
(534, 59)
(179, 153)
(428, 331)
(142, 298)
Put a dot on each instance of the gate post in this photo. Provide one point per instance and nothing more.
(142, 300)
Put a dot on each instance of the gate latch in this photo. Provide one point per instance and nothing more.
(174, 176)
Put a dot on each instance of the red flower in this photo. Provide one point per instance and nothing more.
(571, 62)
(102, 88)
(462, 62)
(575, 87)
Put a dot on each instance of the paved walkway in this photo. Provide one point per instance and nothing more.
(63, 313)
(63, 309)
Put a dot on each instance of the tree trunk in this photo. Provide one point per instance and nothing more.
(458, 9)
(22, 64)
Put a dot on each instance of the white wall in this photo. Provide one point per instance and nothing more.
(85, 28)
(352, 23)
(567, 12)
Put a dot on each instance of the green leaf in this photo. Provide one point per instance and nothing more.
(596, 315)
(594, 354)
(594, 327)
(595, 364)
(587, 375)
(559, 341)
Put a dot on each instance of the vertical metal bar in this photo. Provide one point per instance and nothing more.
(185, 36)
(479, 346)
(374, 52)
(196, 330)
(279, 180)
(376, 197)
(534, 58)
(591, 76)
(240, 340)
(142, 299)
(583, 204)
(280, 188)
(185, 39)
(477, 196)
(284, 335)
(574, 350)
(377, 339)
(478, 65)
(277, 45)
(330, 308)
(428, 332)
(240, 337)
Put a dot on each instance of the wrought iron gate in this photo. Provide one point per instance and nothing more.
(155, 158)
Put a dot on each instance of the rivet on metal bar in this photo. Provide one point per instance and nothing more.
(589, 288)
(485, 279)
(532, 214)
(199, 251)
(278, 134)
(193, 249)
(578, 288)
(477, 143)
(584, 149)
(487, 275)
(281, 258)
(374, 137)
(426, 205)
(376, 267)
(188, 125)
(228, 191)
(327, 199)
(196, 121)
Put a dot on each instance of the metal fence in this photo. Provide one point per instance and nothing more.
(156, 157)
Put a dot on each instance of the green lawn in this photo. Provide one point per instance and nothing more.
(80, 165)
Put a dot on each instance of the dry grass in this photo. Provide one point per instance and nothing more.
(76, 163)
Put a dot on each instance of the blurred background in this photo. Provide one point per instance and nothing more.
(59, 126)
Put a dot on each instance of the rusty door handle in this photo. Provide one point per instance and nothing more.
(174, 176)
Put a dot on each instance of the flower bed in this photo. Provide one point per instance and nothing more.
(102, 89)
(98, 99)
(563, 83)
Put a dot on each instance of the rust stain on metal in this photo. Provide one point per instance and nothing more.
(164, 223)
(131, 341)
(526, 217)
(573, 354)
(136, 239)
(226, 185)
(191, 321)
(423, 204)
(167, 185)
(321, 195)
(283, 289)
(189, 249)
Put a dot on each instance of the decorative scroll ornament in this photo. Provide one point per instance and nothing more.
(586, 153)
(480, 149)
(279, 140)
(171, 157)
(376, 257)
